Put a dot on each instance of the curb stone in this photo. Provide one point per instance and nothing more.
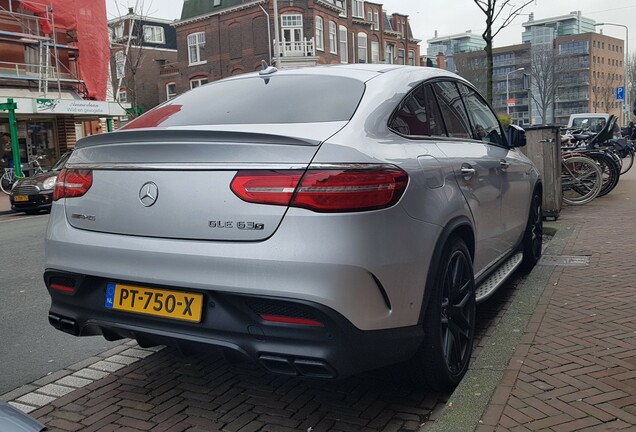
(49, 388)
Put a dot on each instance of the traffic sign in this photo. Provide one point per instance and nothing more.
(620, 93)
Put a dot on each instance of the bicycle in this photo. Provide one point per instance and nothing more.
(9, 178)
(581, 179)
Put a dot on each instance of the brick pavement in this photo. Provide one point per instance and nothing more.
(579, 351)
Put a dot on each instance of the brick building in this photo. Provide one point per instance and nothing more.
(220, 38)
(140, 47)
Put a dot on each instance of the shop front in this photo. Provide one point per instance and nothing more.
(46, 128)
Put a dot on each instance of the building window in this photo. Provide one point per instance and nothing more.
(370, 15)
(389, 53)
(198, 82)
(376, 20)
(333, 41)
(320, 40)
(171, 90)
(412, 58)
(196, 41)
(343, 5)
(292, 26)
(118, 31)
(357, 8)
(344, 51)
(154, 34)
(289, 20)
(217, 3)
(375, 52)
(123, 96)
(401, 56)
(362, 48)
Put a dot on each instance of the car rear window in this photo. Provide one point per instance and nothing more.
(258, 100)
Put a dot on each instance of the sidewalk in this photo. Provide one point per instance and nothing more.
(574, 368)
(5, 204)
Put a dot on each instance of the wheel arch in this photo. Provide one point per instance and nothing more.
(460, 226)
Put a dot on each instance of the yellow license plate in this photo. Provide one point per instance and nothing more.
(150, 301)
(20, 198)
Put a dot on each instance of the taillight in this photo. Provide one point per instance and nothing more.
(324, 190)
(72, 183)
(266, 187)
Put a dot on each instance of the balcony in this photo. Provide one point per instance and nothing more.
(297, 53)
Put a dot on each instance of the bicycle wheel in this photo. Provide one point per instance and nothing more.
(610, 169)
(581, 180)
(6, 183)
(628, 161)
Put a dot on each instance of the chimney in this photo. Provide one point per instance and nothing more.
(531, 17)
(130, 11)
(441, 60)
(435, 33)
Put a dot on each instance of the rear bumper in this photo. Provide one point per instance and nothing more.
(36, 202)
(230, 321)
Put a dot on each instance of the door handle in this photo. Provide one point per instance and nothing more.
(503, 164)
(467, 171)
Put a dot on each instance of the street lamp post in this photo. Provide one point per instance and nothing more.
(625, 69)
(507, 89)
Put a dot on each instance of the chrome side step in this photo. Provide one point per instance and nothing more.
(494, 281)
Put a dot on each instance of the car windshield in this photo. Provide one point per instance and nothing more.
(259, 100)
(59, 164)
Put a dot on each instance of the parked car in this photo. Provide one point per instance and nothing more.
(35, 194)
(594, 122)
(320, 221)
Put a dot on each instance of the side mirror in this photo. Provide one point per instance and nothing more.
(516, 136)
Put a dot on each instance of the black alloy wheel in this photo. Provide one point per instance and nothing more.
(457, 321)
(533, 236)
(449, 323)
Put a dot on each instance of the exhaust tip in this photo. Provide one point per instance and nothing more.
(279, 365)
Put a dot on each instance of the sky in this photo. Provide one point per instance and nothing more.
(450, 16)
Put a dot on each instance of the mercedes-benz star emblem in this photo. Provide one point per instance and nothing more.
(148, 194)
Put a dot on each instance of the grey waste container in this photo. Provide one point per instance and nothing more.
(544, 149)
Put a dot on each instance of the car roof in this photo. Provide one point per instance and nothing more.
(361, 71)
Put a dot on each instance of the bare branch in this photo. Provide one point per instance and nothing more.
(511, 17)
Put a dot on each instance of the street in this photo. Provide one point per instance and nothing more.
(31, 348)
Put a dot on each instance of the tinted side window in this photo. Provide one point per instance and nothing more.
(486, 127)
(418, 115)
(435, 118)
(452, 108)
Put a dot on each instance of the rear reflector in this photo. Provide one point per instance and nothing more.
(329, 190)
(292, 320)
(63, 288)
(72, 183)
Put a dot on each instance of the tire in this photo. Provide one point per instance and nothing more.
(628, 161)
(449, 321)
(581, 180)
(532, 242)
(611, 172)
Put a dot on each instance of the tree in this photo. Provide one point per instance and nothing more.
(546, 72)
(504, 12)
(604, 89)
(471, 66)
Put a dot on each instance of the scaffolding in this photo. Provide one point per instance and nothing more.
(45, 67)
